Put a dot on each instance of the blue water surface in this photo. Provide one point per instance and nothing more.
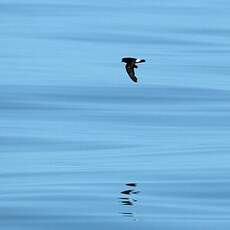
(83, 147)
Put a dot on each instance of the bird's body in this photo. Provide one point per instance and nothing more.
(130, 65)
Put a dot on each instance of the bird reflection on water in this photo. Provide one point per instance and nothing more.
(127, 199)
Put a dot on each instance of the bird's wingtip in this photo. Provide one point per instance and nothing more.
(134, 79)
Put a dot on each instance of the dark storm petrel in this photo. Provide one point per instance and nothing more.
(130, 65)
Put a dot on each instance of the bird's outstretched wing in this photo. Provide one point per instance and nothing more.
(130, 71)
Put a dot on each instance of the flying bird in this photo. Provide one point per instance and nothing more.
(130, 65)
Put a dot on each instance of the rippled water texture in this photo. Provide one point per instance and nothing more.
(83, 147)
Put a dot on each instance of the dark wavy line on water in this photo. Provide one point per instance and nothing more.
(73, 102)
(21, 144)
(73, 9)
(23, 98)
(49, 217)
(11, 92)
(202, 31)
(122, 38)
(153, 106)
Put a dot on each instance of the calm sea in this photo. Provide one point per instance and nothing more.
(83, 147)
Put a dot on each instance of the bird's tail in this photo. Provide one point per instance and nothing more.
(140, 60)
